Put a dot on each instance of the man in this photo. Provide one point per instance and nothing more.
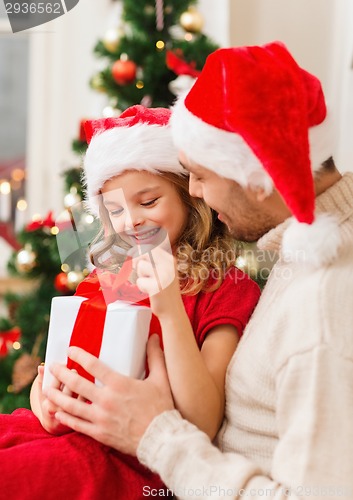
(253, 132)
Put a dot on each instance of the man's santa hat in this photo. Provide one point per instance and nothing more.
(256, 117)
(139, 139)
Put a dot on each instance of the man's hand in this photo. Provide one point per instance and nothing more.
(121, 409)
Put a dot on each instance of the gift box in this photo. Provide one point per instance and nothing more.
(122, 342)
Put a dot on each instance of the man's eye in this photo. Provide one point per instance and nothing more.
(149, 203)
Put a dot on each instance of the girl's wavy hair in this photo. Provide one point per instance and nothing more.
(204, 253)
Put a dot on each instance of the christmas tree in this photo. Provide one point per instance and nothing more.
(156, 41)
(23, 333)
(155, 51)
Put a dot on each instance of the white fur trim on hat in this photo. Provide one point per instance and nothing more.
(315, 244)
(139, 147)
(226, 153)
(229, 155)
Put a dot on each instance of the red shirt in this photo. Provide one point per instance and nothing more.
(232, 304)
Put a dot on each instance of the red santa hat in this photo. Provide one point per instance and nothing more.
(139, 139)
(256, 117)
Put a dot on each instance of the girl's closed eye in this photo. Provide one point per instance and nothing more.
(150, 202)
(116, 212)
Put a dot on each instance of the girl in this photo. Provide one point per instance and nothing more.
(138, 189)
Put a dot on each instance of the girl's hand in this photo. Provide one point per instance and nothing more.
(47, 408)
(157, 276)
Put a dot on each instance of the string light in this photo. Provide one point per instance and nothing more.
(89, 219)
(241, 262)
(160, 45)
(21, 205)
(5, 187)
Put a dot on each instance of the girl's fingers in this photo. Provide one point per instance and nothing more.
(148, 286)
(144, 268)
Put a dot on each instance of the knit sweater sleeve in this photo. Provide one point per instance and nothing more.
(193, 468)
(313, 455)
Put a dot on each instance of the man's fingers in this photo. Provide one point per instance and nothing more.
(72, 382)
(68, 404)
(94, 367)
(91, 364)
(75, 423)
(65, 389)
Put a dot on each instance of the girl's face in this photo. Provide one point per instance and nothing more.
(143, 206)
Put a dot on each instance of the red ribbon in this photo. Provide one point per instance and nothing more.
(48, 222)
(101, 290)
(176, 62)
(8, 338)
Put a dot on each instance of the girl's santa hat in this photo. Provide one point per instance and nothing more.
(139, 139)
(256, 117)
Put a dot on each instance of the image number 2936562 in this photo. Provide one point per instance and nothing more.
(25, 15)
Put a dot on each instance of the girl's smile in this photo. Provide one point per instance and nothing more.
(144, 207)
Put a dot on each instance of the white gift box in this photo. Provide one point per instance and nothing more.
(124, 339)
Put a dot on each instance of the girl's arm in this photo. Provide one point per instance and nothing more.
(197, 378)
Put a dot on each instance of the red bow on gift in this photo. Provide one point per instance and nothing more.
(8, 338)
(101, 290)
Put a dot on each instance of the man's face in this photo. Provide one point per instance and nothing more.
(247, 217)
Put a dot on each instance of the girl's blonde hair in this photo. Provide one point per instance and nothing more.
(204, 252)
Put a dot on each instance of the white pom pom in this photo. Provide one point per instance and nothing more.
(315, 244)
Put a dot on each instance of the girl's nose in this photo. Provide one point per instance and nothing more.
(133, 219)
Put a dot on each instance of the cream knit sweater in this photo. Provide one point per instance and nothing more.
(288, 429)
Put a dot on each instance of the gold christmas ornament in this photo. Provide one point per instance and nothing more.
(149, 10)
(74, 278)
(191, 20)
(25, 259)
(112, 38)
(97, 83)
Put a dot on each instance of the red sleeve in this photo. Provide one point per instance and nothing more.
(231, 304)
